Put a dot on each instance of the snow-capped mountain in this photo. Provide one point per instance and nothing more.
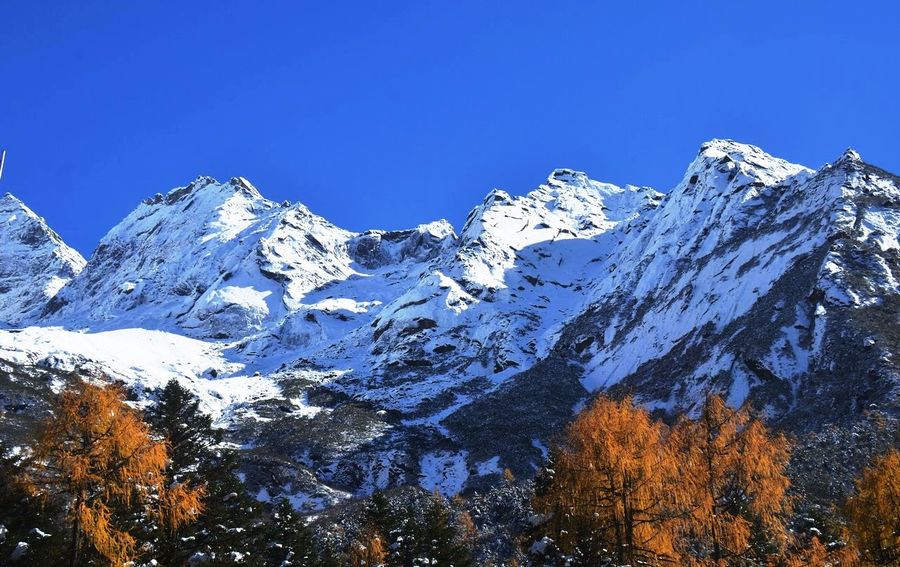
(208, 259)
(34, 262)
(758, 276)
(352, 361)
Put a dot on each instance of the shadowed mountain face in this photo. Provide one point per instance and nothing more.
(355, 361)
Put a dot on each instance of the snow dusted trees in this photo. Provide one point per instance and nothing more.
(97, 457)
(874, 511)
(290, 541)
(234, 526)
(624, 489)
(411, 530)
(26, 527)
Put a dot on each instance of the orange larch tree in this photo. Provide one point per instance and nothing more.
(370, 552)
(735, 486)
(97, 457)
(874, 511)
(814, 554)
(610, 487)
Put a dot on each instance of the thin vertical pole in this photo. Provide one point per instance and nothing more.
(2, 161)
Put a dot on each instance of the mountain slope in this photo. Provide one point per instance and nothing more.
(769, 304)
(34, 262)
(489, 304)
(756, 278)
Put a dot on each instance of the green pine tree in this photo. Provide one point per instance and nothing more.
(290, 541)
(232, 527)
(176, 416)
(441, 539)
(29, 531)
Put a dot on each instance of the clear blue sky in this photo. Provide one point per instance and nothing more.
(388, 114)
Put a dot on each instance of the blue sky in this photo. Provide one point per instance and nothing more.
(390, 114)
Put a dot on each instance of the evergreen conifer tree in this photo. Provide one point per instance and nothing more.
(290, 541)
(441, 541)
(232, 527)
(176, 416)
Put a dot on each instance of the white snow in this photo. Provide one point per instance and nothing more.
(444, 471)
(144, 359)
(19, 552)
(539, 445)
(490, 466)
(303, 407)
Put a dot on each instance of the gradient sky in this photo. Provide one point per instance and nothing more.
(388, 114)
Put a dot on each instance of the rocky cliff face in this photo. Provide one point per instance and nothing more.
(420, 356)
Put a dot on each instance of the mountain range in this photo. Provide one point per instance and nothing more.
(344, 362)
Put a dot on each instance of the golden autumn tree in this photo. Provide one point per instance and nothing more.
(874, 511)
(734, 485)
(466, 525)
(97, 457)
(814, 554)
(609, 492)
(370, 552)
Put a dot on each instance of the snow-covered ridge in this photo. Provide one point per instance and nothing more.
(568, 205)
(34, 262)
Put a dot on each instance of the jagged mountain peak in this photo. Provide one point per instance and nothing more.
(209, 258)
(34, 261)
(742, 164)
(10, 204)
(37, 228)
(205, 185)
(725, 191)
(565, 176)
(850, 155)
(204, 209)
(9, 199)
(569, 205)
(716, 147)
(570, 196)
